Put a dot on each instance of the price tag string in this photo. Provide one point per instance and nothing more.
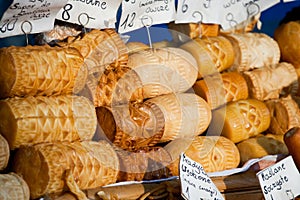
(87, 20)
(280, 181)
(147, 22)
(199, 15)
(26, 32)
(253, 10)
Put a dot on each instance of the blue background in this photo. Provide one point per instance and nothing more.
(270, 19)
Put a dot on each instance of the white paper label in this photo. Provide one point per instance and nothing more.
(29, 16)
(280, 181)
(235, 12)
(98, 14)
(191, 11)
(195, 183)
(139, 13)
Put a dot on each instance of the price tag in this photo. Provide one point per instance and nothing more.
(280, 181)
(139, 13)
(235, 12)
(29, 16)
(191, 11)
(195, 183)
(98, 14)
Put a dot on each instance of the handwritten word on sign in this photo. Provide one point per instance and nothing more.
(195, 183)
(139, 13)
(234, 12)
(29, 16)
(191, 11)
(98, 14)
(280, 181)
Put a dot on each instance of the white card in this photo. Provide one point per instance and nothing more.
(29, 16)
(195, 183)
(90, 14)
(235, 12)
(280, 181)
(195, 11)
(139, 13)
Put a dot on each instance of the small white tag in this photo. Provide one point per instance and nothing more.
(280, 181)
(29, 16)
(191, 11)
(195, 183)
(99, 14)
(235, 12)
(139, 13)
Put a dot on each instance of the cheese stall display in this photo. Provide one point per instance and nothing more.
(86, 113)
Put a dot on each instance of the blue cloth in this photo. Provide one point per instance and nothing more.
(272, 17)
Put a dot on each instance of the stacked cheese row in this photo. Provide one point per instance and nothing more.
(49, 113)
(94, 111)
(255, 97)
(47, 124)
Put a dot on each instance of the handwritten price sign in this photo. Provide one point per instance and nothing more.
(195, 183)
(90, 13)
(280, 181)
(235, 12)
(139, 13)
(227, 13)
(191, 11)
(29, 16)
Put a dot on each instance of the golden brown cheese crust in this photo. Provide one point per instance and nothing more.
(44, 166)
(285, 114)
(164, 70)
(267, 82)
(33, 120)
(244, 119)
(132, 127)
(186, 115)
(213, 54)
(288, 37)
(214, 153)
(13, 186)
(4, 153)
(260, 146)
(41, 70)
(253, 50)
(219, 89)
